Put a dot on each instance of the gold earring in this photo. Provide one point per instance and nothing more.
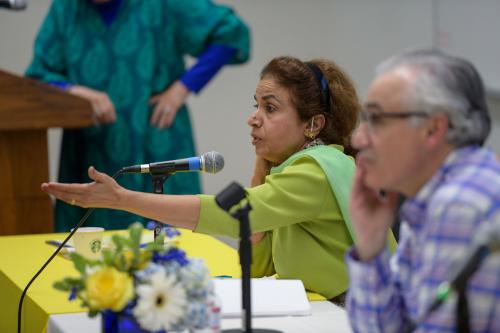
(310, 133)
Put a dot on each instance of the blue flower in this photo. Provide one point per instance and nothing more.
(73, 293)
(171, 232)
(168, 231)
(147, 272)
(174, 254)
(151, 225)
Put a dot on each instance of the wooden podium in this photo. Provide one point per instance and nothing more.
(27, 109)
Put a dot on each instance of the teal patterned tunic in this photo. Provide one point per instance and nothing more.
(138, 55)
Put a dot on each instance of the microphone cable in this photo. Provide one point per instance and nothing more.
(78, 225)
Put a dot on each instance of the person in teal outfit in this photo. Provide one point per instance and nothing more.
(305, 115)
(127, 58)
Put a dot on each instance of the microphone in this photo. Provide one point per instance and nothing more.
(211, 162)
(13, 4)
(485, 242)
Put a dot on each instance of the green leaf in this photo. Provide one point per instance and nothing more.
(135, 234)
(149, 247)
(93, 313)
(61, 285)
(119, 242)
(68, 283)
(160, 239)
(121, 263)
(79, 261)
(108, 257)
(157, 244)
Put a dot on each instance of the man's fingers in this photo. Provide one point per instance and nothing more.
(358, 181)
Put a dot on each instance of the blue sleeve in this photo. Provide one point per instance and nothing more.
(60, 84)
(209, 63)
(201, 23)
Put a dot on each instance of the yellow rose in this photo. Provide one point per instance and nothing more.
(109, 288)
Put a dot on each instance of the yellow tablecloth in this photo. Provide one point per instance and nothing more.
(21, 256)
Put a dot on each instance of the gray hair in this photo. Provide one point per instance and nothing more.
(441, 83)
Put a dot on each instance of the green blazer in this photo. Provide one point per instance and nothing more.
(303, 206)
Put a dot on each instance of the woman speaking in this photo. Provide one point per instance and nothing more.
(304, 115)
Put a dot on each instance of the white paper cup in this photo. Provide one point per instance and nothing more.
(88, 242)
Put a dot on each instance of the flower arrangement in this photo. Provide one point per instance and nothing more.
(155, 286)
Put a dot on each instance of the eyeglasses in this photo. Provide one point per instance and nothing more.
(374, 120)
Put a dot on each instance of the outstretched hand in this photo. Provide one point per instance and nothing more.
(103, 192)
(372, 215)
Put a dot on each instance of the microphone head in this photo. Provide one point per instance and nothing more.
(18, 4)
(212, 162)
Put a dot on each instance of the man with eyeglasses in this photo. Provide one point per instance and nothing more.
(421, 135)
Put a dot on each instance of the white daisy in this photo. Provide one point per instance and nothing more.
(160, 304)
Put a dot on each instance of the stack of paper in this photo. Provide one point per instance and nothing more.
(270, 297)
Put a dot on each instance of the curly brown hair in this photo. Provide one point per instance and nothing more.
(342, 112)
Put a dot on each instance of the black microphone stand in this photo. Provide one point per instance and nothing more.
(227, 199)
(458, 284)
(158, 181)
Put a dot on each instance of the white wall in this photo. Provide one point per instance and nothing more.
(357, 34)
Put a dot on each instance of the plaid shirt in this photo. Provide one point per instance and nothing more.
(387, 294)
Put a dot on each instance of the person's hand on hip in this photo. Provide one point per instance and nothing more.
(167, 104)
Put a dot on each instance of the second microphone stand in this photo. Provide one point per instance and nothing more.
(227, 199)
(158, 181)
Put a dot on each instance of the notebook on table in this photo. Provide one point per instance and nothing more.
(270, 297)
